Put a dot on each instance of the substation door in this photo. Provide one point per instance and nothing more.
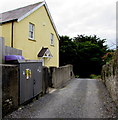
(30, 78)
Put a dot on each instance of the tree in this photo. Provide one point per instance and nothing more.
(67, 50)
(84, 53)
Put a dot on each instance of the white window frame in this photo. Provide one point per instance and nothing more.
(51, 39)
(31, 31)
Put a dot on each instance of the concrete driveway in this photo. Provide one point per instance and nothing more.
(81, 98)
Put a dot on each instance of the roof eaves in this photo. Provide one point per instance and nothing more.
(30, 12)
(8, 21)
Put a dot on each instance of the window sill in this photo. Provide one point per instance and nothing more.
(32, 39)
(52, 45)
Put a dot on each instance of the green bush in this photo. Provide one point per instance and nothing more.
(93, 76)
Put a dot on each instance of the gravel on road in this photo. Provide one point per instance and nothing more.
(81, 98)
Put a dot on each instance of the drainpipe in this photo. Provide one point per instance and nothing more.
(12, 35)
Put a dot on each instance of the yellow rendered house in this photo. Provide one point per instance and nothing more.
(32, 30)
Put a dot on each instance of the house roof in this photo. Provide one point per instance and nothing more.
(21, 13)
(17, 13)
(44, 52)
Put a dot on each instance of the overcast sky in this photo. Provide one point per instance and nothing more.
(75, 17)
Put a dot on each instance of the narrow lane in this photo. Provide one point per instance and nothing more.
(81, 98)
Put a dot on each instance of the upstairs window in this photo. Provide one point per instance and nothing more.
(52, 39)
(31, 31)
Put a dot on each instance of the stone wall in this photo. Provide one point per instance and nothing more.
(9, 88)
(110, 77)
(60, 76)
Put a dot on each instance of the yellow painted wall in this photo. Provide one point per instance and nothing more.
(0, 30)
(43, 29)
(6, 33)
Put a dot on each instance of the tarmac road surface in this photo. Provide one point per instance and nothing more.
(81, 98)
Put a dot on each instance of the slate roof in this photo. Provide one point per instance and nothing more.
(42, 52)
(17, 13)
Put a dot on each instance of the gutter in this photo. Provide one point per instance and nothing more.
(12, 34)
(8, 21)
